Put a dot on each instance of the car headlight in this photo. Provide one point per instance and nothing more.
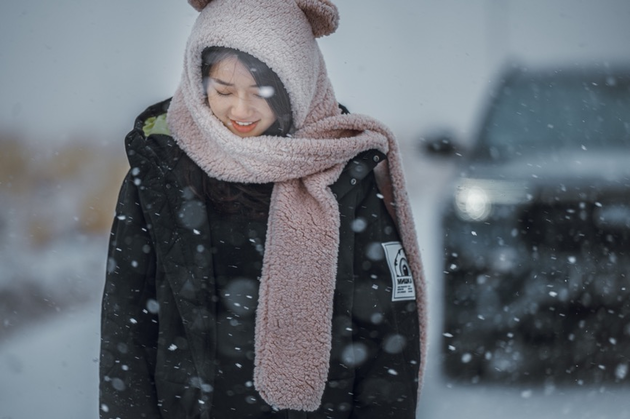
(475, 198)
(473, 203)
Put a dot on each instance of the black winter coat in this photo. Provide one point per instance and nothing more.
(180, 298)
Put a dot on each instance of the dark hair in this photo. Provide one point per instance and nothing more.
(250, 200)
(279, 101)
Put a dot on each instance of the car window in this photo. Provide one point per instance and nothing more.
(533, 116)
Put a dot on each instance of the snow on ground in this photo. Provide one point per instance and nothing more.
(51, 370)
(441, 401)
(519, 403)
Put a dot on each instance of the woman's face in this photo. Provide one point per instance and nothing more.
(237, 101)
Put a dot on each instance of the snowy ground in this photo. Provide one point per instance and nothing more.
(50, 369)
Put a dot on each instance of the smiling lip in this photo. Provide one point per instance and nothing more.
(243, 129)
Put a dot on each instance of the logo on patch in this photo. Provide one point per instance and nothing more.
(402, 281)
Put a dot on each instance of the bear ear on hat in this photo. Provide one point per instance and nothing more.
(199, 4)
(321, 14)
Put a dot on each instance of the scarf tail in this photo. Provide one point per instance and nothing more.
(294, 315)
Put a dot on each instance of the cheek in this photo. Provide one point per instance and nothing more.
(268, 113)
(216, 105)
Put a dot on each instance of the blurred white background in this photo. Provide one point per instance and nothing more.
(75, 73)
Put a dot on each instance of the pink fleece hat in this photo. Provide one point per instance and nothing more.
(280, 33)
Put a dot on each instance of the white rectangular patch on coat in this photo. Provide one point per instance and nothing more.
(402, 281)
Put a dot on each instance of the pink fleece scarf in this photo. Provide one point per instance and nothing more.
(294, 315)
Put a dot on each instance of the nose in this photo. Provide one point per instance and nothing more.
(241, 108)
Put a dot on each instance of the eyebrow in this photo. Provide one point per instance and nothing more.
(224, 83)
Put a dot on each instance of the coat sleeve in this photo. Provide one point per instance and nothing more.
(129, 322)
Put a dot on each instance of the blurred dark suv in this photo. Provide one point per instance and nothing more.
(536, 233)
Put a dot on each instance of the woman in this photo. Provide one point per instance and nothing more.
(262, 262)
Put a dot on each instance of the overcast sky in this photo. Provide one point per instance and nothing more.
(86, 68)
